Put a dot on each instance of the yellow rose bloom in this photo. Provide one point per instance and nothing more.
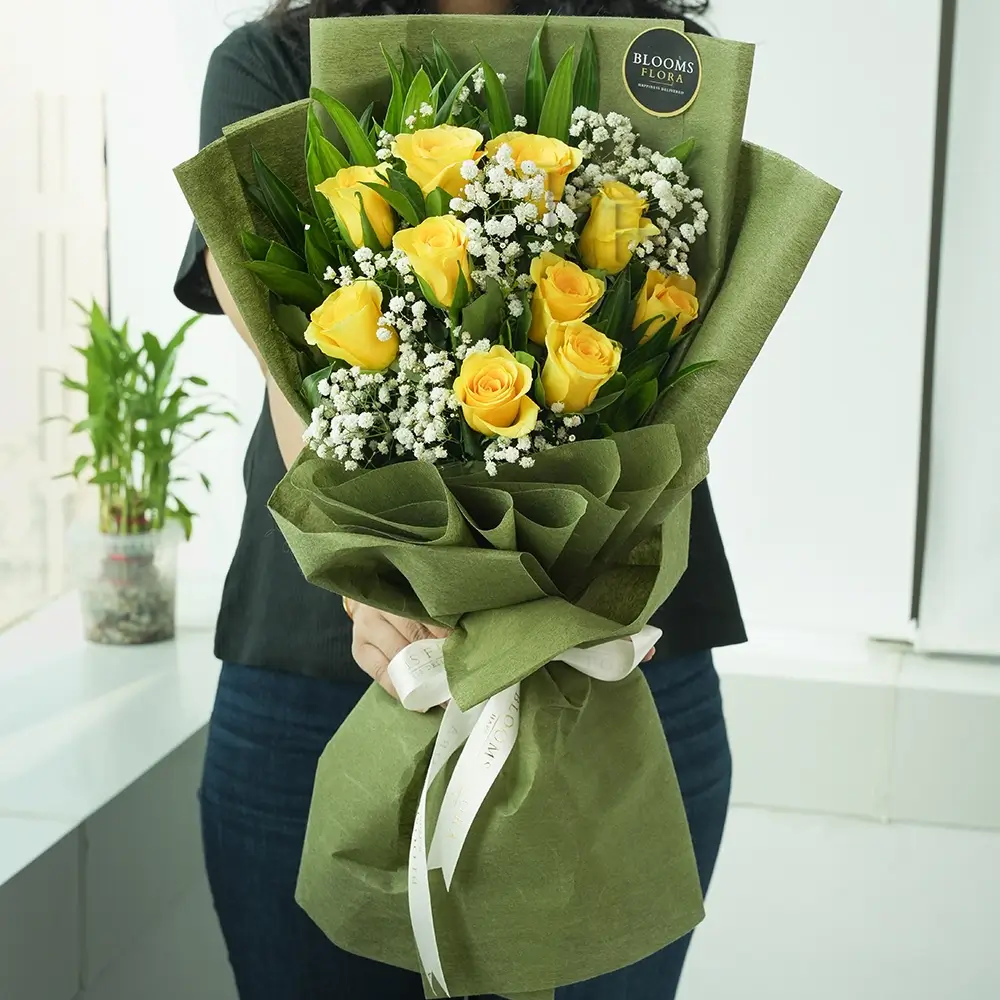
(563, 291)
(346, 326)
(342, 190)
(494, 392)
(553, 157)
(615, 226)
(434, 156)
(580, 360)
(437, 253)
(665, 297)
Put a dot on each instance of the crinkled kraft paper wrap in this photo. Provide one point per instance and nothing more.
(580, 861)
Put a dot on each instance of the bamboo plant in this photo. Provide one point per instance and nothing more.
(141, 420)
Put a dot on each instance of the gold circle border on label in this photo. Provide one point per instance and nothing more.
(628, 89)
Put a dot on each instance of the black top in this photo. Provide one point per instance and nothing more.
(270, 616)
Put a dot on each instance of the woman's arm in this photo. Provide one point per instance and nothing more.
(288, 426)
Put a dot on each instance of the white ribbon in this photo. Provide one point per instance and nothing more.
(485, 735)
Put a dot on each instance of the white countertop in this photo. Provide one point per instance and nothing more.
(79, 723)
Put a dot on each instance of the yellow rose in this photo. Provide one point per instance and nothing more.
(494, 392)
(346, 326)
(342, 190)
(665, 297)
(563, 291)
(615, 226)
(437, 252)
(554, 158)
(434, 156)
(580, 360)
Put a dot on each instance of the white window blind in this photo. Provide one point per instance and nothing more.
(815, 469)
(54, 235)
(960, 595)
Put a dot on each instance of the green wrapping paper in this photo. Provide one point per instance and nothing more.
(579, 861)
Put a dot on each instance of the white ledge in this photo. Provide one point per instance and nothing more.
(80, 723)
(818, 723)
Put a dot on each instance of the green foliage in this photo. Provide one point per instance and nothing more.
(140, 420)
(359, 146)
(501, 118)
(418, 94)
(535, 81)
(557, 108)
(587, 82)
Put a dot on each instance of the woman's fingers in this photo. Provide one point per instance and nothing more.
(649, 655)
(374, 663)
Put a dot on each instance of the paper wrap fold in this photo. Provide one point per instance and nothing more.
(580, 861)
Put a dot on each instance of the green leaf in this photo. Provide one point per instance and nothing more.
(525, 359)
(497, 105)
(282, 205)
(472, 443)
(329, 159)
(398, 181)
(631, 338)
(683, 150)
(197, 380)
(557, 108)
(650, 369)
(205, 481)
(446, 68)
(587, 82)
(687, 372)
(369, 235)
(309, 391)
(323, 160)
(535, 81)
(444, 111)
(519, 325)
(402, 205)
(609, 393)
(393, 114)
(319, 255)
(660, 343)
(636, 402)
(79, 465)
(292, 321)
(614, 315)
(256, 246)
(418, 94)
(483, 316)
(294, 287)
(438, 202)
(365, 120)
(408, 72)
(428, 294)
(358, 145)
(461, 296)
(282, 256)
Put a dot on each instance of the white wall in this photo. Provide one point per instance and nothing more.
(960, 601)
(815, 467)
(157, 68)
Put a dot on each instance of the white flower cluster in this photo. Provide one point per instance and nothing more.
(352, 424)
(507, 212)
(549, 432)
(426, 404)
(611, 152)
(367, 416)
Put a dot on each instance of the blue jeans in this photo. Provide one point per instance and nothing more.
(265, 739)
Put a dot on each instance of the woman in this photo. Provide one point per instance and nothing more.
(295, 665)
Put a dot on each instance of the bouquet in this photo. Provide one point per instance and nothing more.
(513, 317)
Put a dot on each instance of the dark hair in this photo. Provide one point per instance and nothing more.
(298, 11)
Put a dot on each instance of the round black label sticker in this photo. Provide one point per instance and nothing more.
(662, 71)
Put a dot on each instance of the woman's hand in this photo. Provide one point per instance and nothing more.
(379, 636)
